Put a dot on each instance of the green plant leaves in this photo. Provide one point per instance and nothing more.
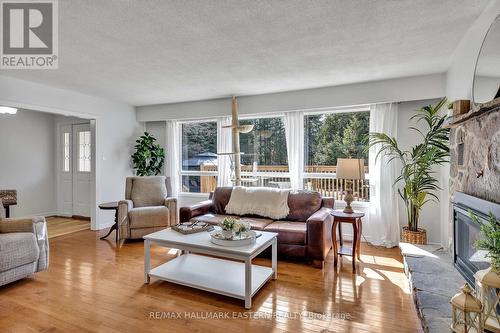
(149, 157)
(490, 230)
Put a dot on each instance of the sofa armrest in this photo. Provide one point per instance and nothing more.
(319, 234)
(17, 225)
(42, 238)
(171, 203)
(328, 202)
(124, 206)
(36, 225)
(187, 213)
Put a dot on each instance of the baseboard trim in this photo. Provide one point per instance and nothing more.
(79, 217)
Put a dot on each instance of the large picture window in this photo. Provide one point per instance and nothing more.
(199, 156)
(330, 136)
(265, 161)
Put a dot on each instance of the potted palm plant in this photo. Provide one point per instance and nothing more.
(418, 180)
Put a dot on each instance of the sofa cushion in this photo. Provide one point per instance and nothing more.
(256, 223)
(221, 198)
(302, 205)
(17, 249)
(148, 191)
(289, 232)
(148, 217)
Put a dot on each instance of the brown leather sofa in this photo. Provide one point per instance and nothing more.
(305, 233)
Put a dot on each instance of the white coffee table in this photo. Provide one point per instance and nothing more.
(235, 279)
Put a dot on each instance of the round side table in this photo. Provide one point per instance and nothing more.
(354, 219)
(111, 206)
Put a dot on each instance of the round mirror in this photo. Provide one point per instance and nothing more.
(486, 85)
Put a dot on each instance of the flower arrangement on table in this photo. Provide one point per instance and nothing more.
(231, 226)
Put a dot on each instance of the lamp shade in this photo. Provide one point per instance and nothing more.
(350, 168)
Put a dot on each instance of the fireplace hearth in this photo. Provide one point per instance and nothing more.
(466, 258)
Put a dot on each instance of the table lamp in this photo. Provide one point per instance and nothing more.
(350, 169)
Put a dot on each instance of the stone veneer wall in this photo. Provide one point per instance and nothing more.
(481, 153)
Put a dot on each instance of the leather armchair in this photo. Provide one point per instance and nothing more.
(24, 247)
(147, 207)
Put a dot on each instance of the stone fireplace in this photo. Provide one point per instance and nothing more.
(474, 184)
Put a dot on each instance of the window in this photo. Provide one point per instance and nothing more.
(84, 155)
(330, 136)
(199, 156)
(66, 152)
(265, 160)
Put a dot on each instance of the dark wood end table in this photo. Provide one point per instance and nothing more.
(111, 206)
(8, 198)
(354, 219)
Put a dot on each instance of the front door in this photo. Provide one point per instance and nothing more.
(82, 169)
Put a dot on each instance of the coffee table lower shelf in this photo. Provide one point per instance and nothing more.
(215, 275)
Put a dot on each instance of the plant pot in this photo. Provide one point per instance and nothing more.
(414, 237)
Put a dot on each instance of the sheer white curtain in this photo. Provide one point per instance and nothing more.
(294, 132)
(383, 224)
(172, 155)
(224, 145)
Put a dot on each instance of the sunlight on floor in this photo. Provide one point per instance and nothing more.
(371, 274)
(415, 251)
(172, 251)
(359, 280)
(383, 261)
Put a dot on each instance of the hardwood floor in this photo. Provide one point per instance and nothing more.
(58, 226)
(93, 286)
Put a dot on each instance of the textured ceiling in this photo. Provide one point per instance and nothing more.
(149, 52)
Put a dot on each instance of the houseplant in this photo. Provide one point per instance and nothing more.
(149, 157)
(490, 241)
(232, 227)
(488, 280)
(419, 182)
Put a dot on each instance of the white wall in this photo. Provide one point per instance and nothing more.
(404, 89)
(430, 217)
(116, 131)
(27, 161)
(460, 74)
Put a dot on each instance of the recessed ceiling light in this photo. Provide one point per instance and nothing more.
(8, 110)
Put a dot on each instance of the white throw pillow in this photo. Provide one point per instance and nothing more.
(262, 201)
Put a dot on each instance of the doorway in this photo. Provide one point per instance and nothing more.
(75, 169)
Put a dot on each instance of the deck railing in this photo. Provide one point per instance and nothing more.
(320, 178)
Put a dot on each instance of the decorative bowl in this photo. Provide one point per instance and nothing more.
(246, 238)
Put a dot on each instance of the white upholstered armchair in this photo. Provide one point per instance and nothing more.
(24, 247)
(147, 207)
